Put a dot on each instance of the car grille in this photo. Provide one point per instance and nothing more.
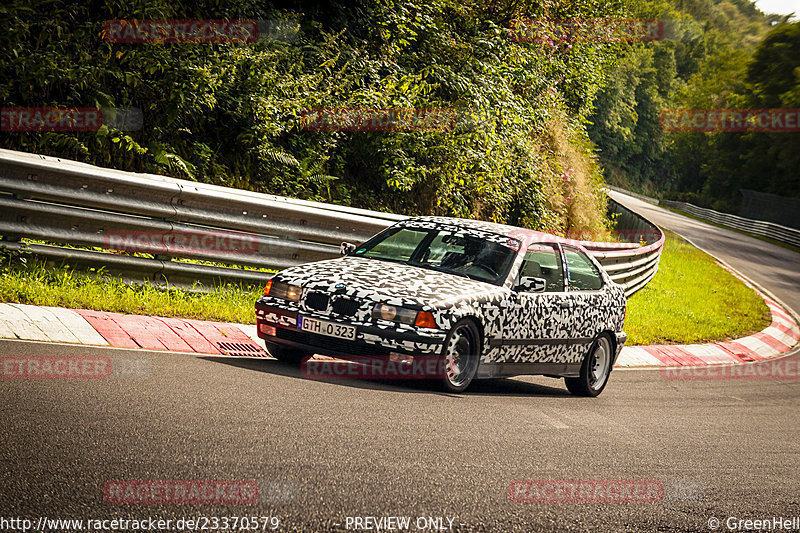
(345, 306)
(317, 301)
(330, 343)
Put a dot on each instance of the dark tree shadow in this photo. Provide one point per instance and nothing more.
(482, 387)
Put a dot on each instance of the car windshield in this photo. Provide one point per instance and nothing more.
(448, 250)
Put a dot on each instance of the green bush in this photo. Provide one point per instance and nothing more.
(231, 113)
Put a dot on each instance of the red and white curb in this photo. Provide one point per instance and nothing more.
(782, 334)
(780, 337)
(96, 328)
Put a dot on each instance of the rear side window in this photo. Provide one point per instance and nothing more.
(544, 261)
(581, 272)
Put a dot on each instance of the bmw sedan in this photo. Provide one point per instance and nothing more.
(484, 299)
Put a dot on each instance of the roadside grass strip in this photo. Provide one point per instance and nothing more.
(781, 336)
(693, 300)
(37, 284)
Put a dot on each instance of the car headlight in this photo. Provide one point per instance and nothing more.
(394, 313)
(285, 291)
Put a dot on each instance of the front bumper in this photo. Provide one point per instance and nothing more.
(372, 340)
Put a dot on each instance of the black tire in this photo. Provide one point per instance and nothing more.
(460, 356)
(285, 354)
(595, 370)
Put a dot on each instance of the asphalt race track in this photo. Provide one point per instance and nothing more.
(323, 451)
(774, 268)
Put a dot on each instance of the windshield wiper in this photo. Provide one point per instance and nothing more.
(427, 266)
(388, 259)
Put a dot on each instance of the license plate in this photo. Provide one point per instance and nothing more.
(323, 327)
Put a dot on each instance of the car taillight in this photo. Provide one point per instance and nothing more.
(267, 288)
(425, 320)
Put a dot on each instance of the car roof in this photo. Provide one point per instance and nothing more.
(493, 227)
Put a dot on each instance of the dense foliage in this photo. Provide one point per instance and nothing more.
(232, 113)
(720, 54)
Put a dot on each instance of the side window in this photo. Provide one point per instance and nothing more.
(543, 261)
(583, 275)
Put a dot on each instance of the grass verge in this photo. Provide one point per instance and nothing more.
(692, 299)
(36, 284)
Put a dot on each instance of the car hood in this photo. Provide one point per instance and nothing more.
(385, 281)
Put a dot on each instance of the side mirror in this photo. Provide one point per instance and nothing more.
(530, 284)
(346, 247)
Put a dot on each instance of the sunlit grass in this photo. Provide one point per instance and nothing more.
(692, 300)
(37, 284)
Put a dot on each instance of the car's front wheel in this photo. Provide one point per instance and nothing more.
(595, 369)
(460, 356)
(286, 354)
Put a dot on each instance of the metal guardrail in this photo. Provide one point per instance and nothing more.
(634, 267)
(757, 227)
(641, 197)
(71, 204)
(761, 228)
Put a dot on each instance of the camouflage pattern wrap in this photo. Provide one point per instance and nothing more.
(516, 327)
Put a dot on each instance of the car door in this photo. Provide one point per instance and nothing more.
(537, 326)
(585, 286)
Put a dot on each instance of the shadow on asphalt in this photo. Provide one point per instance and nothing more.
(483, 387)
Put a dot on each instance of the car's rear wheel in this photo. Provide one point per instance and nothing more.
(595, 369)
(285, 354)
(460, 356)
